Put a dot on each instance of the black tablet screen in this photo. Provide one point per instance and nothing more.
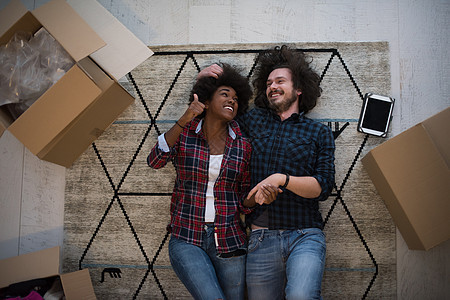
(377, 114)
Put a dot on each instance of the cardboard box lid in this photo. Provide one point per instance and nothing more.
(78, 285)
(420, 179)
(411, 172)
(69, 29)
(124, 51)
(29, 266)
(43, 264)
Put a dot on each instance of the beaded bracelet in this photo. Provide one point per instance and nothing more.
(176, 122)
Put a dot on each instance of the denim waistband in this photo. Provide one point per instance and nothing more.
(273, 232)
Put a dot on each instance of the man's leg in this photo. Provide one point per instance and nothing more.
(306, 263)
(195, 269)
(265, 266)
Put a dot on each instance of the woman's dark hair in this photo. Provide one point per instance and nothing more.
(303, 76)
(205, 87)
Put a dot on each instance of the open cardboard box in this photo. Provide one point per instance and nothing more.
(78, 108)
(412, 174)
(43, 264)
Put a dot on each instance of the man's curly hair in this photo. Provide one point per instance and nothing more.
(205, 87)
(303, 76)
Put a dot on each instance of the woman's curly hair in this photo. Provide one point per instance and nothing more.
(205, 87)
(303, 76)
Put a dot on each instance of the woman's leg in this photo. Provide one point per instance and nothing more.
(195, 269)
(231, 274)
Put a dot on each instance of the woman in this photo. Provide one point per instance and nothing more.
(207, 248)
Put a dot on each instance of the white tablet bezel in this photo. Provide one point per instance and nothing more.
(367, 99)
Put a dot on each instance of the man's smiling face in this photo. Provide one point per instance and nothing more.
(280, 90)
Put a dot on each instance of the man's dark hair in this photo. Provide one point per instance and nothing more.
(205, 87)
(303, 76)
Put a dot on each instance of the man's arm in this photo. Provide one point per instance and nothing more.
(213, 70)
(304, 186)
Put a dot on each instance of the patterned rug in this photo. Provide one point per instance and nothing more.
(117, 208)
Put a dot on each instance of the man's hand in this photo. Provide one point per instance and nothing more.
(213, 70)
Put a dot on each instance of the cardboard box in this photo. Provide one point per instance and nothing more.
(78, 108)
(411, 172)
(44, 264)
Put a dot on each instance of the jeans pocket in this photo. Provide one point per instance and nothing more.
(236, 253)
(254, 241)
(314, 234)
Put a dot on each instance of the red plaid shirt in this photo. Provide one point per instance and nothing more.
(190, 156)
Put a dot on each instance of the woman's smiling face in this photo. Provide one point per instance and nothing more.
(224, 103)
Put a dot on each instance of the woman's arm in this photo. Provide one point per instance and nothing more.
(194, 109)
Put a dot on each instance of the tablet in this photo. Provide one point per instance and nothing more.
(376, 114)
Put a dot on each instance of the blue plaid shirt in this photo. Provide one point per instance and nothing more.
(298, 146)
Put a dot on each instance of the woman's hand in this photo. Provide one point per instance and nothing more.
(267, 190)
(194, 109)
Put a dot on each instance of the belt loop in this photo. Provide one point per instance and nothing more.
(261, 236)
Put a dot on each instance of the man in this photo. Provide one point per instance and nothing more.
(292, 169)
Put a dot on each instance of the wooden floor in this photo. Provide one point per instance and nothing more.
(32, 191)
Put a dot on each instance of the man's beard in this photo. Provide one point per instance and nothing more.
(280, 107)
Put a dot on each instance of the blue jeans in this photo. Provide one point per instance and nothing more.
(203, 273)
(285, 264)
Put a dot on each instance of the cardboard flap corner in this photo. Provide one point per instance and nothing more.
(78, 285)
(5, 121)
(437, 127)
(10, 14)
(68, 97)
(124, 51)
(40, 264)
(69, 29)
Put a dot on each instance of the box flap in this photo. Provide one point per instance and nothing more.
(399, 216)
(68, 28)
(78, 285)
(10, 14)
(124, 51)
(39, 125)
(2, 129)
(413, 179)
(89, 125)
(29, 266)
(438, 128)
(18, 19)
(5, 121)
(417, 173)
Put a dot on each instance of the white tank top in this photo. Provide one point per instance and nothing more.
(213, 172)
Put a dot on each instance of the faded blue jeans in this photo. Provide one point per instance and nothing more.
(285, 264)
(203, 273)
